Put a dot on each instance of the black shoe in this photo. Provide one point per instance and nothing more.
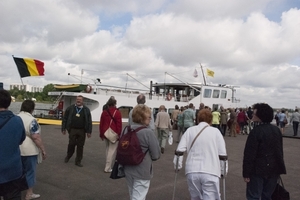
(162, 150)
(79, 164)
(67, 159)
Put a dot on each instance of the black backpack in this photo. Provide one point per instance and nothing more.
(129, 151)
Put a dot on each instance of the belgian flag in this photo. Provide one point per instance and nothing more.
(29, 67)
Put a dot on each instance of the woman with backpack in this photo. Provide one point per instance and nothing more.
(138, 176)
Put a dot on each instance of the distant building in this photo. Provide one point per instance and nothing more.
(27, 88)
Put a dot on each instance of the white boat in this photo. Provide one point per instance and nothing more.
(167, 94)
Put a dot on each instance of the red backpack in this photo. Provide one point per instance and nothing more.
(129, 151)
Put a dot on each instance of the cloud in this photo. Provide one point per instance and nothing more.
(217, 9)
(235, 39)
(52, 21)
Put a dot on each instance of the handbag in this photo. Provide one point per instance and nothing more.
(19, 184)
(175, 126)
(170, 138)
(110, 134)
(280, 193)
(117, 171)
(285, 121)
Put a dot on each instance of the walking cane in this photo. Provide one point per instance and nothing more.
(177, 153)
(224, 192)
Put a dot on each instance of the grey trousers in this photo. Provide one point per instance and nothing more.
(162, 136)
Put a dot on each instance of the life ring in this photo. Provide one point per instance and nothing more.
(88, 89)
(169, 96)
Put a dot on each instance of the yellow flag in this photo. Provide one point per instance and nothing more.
(210, 73)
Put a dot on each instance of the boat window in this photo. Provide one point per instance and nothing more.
(216, 93)
(223, 94)
(215, 106)
(155, 111)
(207, 93)
(125, 111)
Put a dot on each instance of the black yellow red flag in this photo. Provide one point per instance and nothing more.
(29, 67)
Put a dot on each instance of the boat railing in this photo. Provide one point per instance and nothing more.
(180, 98)
(58, 98)
(118, 92)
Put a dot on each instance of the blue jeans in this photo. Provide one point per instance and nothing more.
(29, 165)
(261, 188)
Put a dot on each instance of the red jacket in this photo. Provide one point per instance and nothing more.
(241, 117)
(105, 119)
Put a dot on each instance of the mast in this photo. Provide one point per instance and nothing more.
(203, 74)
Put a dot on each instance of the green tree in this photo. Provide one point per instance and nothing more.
(46, 89)
(19, 97)
(40, 96)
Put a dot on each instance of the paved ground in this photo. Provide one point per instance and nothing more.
(57, 180)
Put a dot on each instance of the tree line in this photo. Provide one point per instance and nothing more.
(43, 96)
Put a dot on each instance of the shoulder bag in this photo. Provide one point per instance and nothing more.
(110, 134)
(280, 193)
(198, 136)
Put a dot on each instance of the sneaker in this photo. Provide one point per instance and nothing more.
(108, 171)
(32, 196)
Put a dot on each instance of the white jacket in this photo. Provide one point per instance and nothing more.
(203, 157)
(28, 147)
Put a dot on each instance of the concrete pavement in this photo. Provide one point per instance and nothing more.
(57, 180)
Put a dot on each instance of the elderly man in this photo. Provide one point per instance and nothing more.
(188, 117)
(141, 99)
(295, 118)
(163, 125)
(77, 121)
(201, 106)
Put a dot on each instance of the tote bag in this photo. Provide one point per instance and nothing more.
(110, 134)
(280, 193)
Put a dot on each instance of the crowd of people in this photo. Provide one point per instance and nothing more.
(200, 134)
(231, 121)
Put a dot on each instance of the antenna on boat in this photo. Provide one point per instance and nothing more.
(204, 80)
(126, 83)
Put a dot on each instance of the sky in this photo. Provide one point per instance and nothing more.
(251, 45)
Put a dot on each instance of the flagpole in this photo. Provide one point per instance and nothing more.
(203, 74)
(22, 83)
